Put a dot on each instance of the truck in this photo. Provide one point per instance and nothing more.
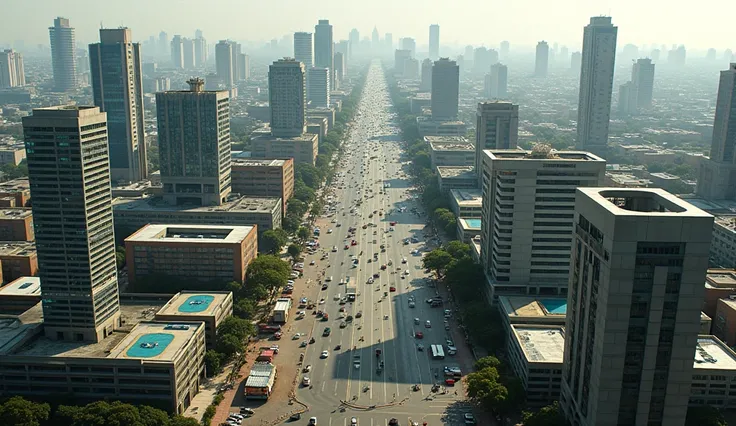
(351, 292)
(281, 310)
(260, 381)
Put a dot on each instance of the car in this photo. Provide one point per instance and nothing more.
(416, 321)
(326, 332)
(353, 243)
(324, 354)
(403, 260)
(334, 249)
(428, 324)
(312, 263)
(469, 419)
(296, 336)
(237, 416)
(306, 381)
(359, 314)
(412, 304)
(392, 288)
(406, 272)
(419, 335)
(303, 344)
(294, 417)
(307, 369)
(312, 421)
(393, 422)
(329, 231)
(353, 421)
(324, 286)
(347, 247)
(246, 410)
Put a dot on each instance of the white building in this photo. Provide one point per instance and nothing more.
(541, 63)
(497, 82)
(535, 353)
(303, 49)
(224, 63)
(318, 87)
(287, 94)
(12, 70)
(642, 75)
(450, 151)
(467, 203)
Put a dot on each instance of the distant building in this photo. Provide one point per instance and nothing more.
(264, 178)
(408, 43)
(324, 47)
(434, 42)
(450, 151)
(428, 127)
(456, 177)
(496, 127)
(642, 75)
(12, 69)
(63, 57)
(177, 52)
(288, 97)
(20, 295)
(536, 358)
(445, 89)
(318, 87)
(627, 99)
(723, 246)
(467, 203)
(497, 82)
(340, 69)
(426, 76)
(15, 193)
(12, 151)
(224, 63)
(303, 49)
(400, 56)
(303, 148)
(541, 63)
(18, 259)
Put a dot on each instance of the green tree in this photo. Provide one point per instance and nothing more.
(296, 207)
(183, 421)
(237, 327)
(705, 416)
(303, 193)
(457, 249)
(546, 416)
(310, 175)
(480, 382)
(291, 222)
(294, 251)
(153, 416)
(255, 291)
(229, 344)
(245, 308)
(303, 233)
(273, 239)
(437, 260)
(213, 362)
(269, 271)
(18, 411)
(486, 362)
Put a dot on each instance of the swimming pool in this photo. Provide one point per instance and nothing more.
(473, 223)
(196, 303)
(150, 345)
(555, 306)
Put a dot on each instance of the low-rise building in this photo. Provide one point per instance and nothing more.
(211, 308)
(12, 151)
(535, 353)
(467, 229)
(264, 178)
(724, 322)
(317, 126)
(16, 224)
(723, 244)
(665, 181)
(428, 127)
(138, 189)
(714, 374)
(625, 180)
(18, 259)
(19, 192)
(303, 149)
(420, 101)
(20, 295)
(458, 177)
(450, 151)
(328, 113)
(466, 202)
(530, 310)
(191, 252)
(719, 284)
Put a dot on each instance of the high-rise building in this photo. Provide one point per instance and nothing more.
(287, 92)
(639, 259)
(12, 70)
(238, 73)
(677, 56)
(354, 39)
(375, 40)
(481, 61)
(324, 48)
(642, 75)
(187, 46)
(541, 63)
(340, 71)
(528, 219)
(596, 84)
(498, 81)
(201, 52)
(445, 90)
(400, 58)
(177, 52)
(564, 53)
(163, 48)
(63, 57)
(434, 42)
(318, 87)
(194, 145)
(303, 49)
(69, 174)
(627, 99)
(576, 60)
(243, 67)
(224, 63)
(117, 86)
(343, 46)
(388, 39)
(426, 76)
(505, 48)
(496, 127)
(408, 43)
(717, 176)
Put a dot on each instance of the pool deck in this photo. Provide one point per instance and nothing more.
(522, 309)
(180, 337)
(174, 306)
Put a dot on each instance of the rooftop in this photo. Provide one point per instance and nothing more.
(15, 213)
(14, 185)
(467, 197)
(259, 375)
(452, 146)
(200, 234)
(540, 153)
(195, 303)
(720, 278)
(664, 175)
(529, 307)
(711, 353)
(469, 224)
(541, 343)
(446, 139)
(728, 222)
(23, 286)
(17, 248)
(158, 341)
(248, 162)
(641, 202)
(459, 172)
(304, 137)
(251, 204)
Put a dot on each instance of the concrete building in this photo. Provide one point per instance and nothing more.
(303, 49)
(445, 90)
(318, 87)
(243, 67)
(456, 177)
(324, 47)
(264, 178)
(496, 127)
(724, 321)
(717, 176)
(210, 308)
(468, 229)
(426, 76)
(340, 69)
(326, 113)
(541, 62)
(497, 82)
(428, 127)
(12, 151)
(642, 75)
(434, 42)
(528, 202)
(524, 310)
(16, 224)
(18, 259)
(201, 52)
(191, 252)
(117, 86)
(12, 69)
(194, 145)
(535, 353)
(79, 276)
(596, 84)
(627, 99)
(636, 289)
(467, 203)
(719, 284)
(450, 151)
(224, 64)
(63, 57)
(177, 52)
(400, 57)
(20, 295)
(723, 247)
(408, 43)
(287, 92)
(302, 149)
(714, 374)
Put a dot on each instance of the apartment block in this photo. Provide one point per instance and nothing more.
(496, 127)
(16, 224)
(18, 259)
(302, 149)
(714, 374)
(723, 247)
(264, 178)
(211, 308)
(12, 151)
(429, 127)
(450, 151)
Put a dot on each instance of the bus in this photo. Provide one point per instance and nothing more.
(438, 352)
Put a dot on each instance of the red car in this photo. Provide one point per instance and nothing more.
(353, 243)
(393, 223)
(419, 335)
(392, 288)
(450, 382)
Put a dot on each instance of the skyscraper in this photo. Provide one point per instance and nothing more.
(408, 43)
(426, 75)
(303, 49)
(339, 67)
(117, 86)
(318, 87)
(445, 89)
(63, 58)
(12, 70)
(496, 127)
(354, 39)
(541, 63)
(177, 52)
(717, 176)
(505, 48)
(188, 53)
(434, 42)
(324, 49)
(238, 73)
(375, 40)
(639, 259)
(596, 84)
(343, 46)
(200, 50)
(642, 75)
(224, 63)
(497, 87)
(69, 174)
(287, 92)
(164, 48)
(627, 99)
(576, 60)
(481, 61)
(243, 67)
(194, 145)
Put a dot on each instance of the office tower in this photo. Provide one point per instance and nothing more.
(576, 60)
(639, 260)
(164, 48)
(389, 40)
(200, 51)
(408, 43)
(69, 174)
(496, 127)
(12, 70)
(426, 82)
(627, 99)
(655, 55)
(303, 49)
(224, 63)
(498, 81)
(434, 42)
(596, 84)
(505, 47)
(194, 145)
(717, 176)
(287, 92)
(188, 53)
(324, 48)
(63, 58)
(445, 89)
(527, 216)
(343, 46)
(354, 39)
(564, 53)
(481, 61)
(629, 52)
(117, 86)
(177, 52)
(238, 73)
(375, 40)
(727, 55)
(541, 62)
(400, 57)
(468, 53)
(244, 67)
(492, 57)
(318, 87)
(339, 67)
(642, 75)
(677, 56)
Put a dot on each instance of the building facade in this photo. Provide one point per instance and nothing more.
(264, 178)
(224, 63)
(496, 127)
(303, 49)
(723, 247)
(324, 47)
(287, 92)
(16, 224)
(498, 82)
(445, 89)
(541, 62)
(642, 75)
(12, 70)
(302, 149)
(63, 56)
(318, 87)
(434, 42)
(177, 52)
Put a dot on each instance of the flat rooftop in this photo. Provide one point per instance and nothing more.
(459, 172)
(720, 278)
(714, 207)
(305, 137)
(648, 202)
(248, 162)
(190, 234)
(157, 341)
(194, 303)
(448, 123)
(452, 146)
(711, 353)
(241, 204)
(15, 213)
(529, 307)
(23, 286)
(17, 248)
(134, 186)
(467, 197)
(728, 222)
(540, 155)
(14, 185)
(541, 344)
(446, 139)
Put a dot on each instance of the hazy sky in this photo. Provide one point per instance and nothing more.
(700, 25)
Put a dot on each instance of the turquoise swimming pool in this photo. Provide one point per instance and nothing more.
(473, 223)
(150, 345)
(196, 303)
(555, 306)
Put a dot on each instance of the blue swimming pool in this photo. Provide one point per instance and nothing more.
(196, 303)
(150, 345)
(555, 306)
(473, 223)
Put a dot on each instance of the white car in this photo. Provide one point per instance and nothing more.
(353, 421)
(403, 260)
(329, 231)
(324, 354)
(312, 421)
(306, 381)
(428, 324)
(334, 249)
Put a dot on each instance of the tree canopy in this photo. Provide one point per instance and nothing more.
(546, 416)
(273, 239)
